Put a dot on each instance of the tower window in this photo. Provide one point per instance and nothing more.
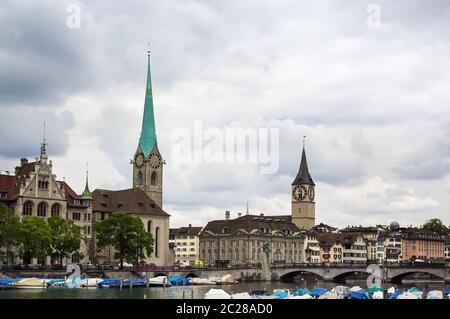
(156, 241)
(140, 178)
(153, 179)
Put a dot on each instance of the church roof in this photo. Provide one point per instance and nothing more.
(131, 200)
(10, 184)
(148, 132)
(303, 176)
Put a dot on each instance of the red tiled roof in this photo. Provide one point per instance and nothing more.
(11, 183)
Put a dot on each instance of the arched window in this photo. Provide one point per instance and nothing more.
(28, 208)
(153, 179)
(46, 185)
(156, 241)
(149, 226)
(140, 178)
(55, 209)
(75, 258)
(42, 209)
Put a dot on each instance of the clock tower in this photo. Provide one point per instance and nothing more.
(303, 197)
(147, 161)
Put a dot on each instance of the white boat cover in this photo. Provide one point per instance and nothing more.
(305, 296)
(407, 295)
(435, 294)
(31, 282)
(378, 295)
(340, 291)
(217, 294)
(355, 288)
(328, 295)
(202, 281)
(241, 295)
(228, 279)
(391, 290)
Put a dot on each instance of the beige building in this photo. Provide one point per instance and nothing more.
(311, 247)
(33, 190)
(240, 240)
(331, 249)
(186, 243)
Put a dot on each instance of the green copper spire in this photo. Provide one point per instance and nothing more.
(86, 193)
(148, 132)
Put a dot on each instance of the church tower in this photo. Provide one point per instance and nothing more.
(148, 163)
(303, 193)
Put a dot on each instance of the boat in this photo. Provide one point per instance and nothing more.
(30, 283)
(201, 281)
(109, 283)
(342, 292)
(159, 281)
(8, 282)
(359, 294)
(305, 296)
(217, 294)
(176, 280)
(395, 294)
(435, 294)
(416, 291)
(259, 293)
(241, 295)
(378, 295)
(56, 282)
(407, 295)
(281, 293)
(328, 295)
(90, 282)
(228, 279)
(317, 292)
(301, 292)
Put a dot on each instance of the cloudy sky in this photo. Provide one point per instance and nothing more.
(372, 99)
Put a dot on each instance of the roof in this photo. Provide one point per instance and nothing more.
(148, 132)
(303, 176)
(185, 231)
(249, 223)
(329, 239)
(11, 183)
(130, 200)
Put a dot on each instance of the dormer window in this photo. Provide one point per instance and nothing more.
(42, 184)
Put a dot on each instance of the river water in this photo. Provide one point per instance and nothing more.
(196, 292)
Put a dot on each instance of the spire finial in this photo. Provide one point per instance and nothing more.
(44, 143)
(304, 139)
(247, 209)
(87, 193)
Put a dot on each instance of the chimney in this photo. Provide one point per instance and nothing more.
(262, 215)
(190, 225)
(239, 214)
(227, 214)
(23, 161)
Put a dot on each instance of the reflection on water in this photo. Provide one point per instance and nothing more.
(196, 292)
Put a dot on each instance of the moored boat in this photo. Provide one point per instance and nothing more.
(30, 283)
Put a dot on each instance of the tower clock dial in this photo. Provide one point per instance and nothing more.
(303, 192)
(155, 161)
(296, 193)
(311, 193)
(139, 160)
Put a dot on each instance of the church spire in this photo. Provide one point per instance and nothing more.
(303, 176)
(148, 132)
(86, 193)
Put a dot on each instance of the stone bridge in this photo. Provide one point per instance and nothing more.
(327, 273)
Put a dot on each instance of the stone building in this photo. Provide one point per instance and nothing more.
(240, 240)
(422, 244)
(144, 199)
(303, 197)
(186, 244)
(33, 190)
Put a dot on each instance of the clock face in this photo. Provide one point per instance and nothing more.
(155, 160)
(303, 193)
(296, 193)
(139, 160)
(311, 193)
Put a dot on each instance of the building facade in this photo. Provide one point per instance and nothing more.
(240, 240)
(186, 244)
(33, 190)
(422, 244)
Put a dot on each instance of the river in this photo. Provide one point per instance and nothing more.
(196, 292)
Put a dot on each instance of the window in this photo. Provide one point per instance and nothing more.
(75, 258)
(42, 209)
(55, 209)
(149, 226)
(76, 216)
(28, 208)
(157, 242)
(140, 179)
(153, 179)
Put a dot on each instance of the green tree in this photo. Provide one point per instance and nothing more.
(436, 226)
(127, 235)
(65, 237)
(34, 239)
(9, 228)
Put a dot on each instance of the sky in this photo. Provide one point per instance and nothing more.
(367, 83)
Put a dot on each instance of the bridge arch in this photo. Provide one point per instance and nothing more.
(397, 277)
(191, 275)
(347, 273)
(291, 274)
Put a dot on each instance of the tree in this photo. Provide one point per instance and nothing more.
(127, 235)
(65, 237)
(34, 239)
(436, 225)
(9, 227)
